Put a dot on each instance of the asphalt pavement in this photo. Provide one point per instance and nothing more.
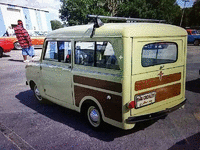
(26, 124)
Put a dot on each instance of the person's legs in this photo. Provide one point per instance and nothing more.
(31, 51)
(25, 57)
(24, 53)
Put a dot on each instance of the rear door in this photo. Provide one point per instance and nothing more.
(158, 72)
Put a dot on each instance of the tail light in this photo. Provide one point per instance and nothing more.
(131, 105)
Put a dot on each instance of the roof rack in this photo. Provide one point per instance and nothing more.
(125, 19)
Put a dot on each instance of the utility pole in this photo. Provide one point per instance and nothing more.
(183, 11)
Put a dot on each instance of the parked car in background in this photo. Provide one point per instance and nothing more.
(37, 38)
(5, 46)
(193, 37)
(36, 41)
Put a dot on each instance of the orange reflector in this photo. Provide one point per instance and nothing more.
(131, 104)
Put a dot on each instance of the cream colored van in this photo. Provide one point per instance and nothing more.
(118, 73)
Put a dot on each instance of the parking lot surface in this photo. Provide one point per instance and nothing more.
(27, 124)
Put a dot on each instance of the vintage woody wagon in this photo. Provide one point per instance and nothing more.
(118, 73)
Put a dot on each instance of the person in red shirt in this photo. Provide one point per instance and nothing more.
(24, 41)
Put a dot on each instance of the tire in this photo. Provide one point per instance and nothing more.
(1, 52)
(37, 94)
(196, 42)
(94, 116)
(17, 45)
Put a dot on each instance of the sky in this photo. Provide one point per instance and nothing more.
(187, 4)
(53, 6)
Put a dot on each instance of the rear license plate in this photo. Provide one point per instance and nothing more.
(145, 99)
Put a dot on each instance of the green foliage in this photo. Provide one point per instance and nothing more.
(76, 11)
(194, 14)
(55, 24)
(150, 9)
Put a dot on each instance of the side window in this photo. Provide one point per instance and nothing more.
(96, 54)
(58, 51)
(105, 56)
(84, 53)
(51, 51)
(64, 52)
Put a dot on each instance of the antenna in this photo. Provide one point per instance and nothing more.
(125, 19)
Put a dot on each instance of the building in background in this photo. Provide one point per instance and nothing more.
(36, 21)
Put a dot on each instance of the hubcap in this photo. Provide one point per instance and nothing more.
(17, 45)
(37, 93)
(94, 116)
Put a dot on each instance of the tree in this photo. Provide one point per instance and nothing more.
(112, 6)
(150, 9)
(76, 11)
(194, 14)
(55, 24)
(191, 16)
(186, 18)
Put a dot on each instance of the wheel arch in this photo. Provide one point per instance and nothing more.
(1, 51)
(16, 47)
(196, 42)
(88, 100)
(32, 84)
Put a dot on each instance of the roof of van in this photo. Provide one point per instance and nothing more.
(119, 30)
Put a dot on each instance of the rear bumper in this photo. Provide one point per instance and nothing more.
(132, 120)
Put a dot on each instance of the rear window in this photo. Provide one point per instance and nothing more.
(159, 53)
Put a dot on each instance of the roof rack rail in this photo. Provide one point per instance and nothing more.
(125, 19)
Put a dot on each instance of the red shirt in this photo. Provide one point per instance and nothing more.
(22, 36)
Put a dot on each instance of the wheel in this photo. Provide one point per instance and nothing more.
(37, 94)
(94, 116)
(196, 42)
(1, 52)
(17, 45)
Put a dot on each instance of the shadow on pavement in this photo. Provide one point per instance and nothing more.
(75, 120)
(193, 86)
(15, 60)
(5, 55)
(35, 48)
(190, 143)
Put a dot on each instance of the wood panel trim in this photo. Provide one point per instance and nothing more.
(112, 107)
(98, 83)
(152, 82)
(165, 92)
